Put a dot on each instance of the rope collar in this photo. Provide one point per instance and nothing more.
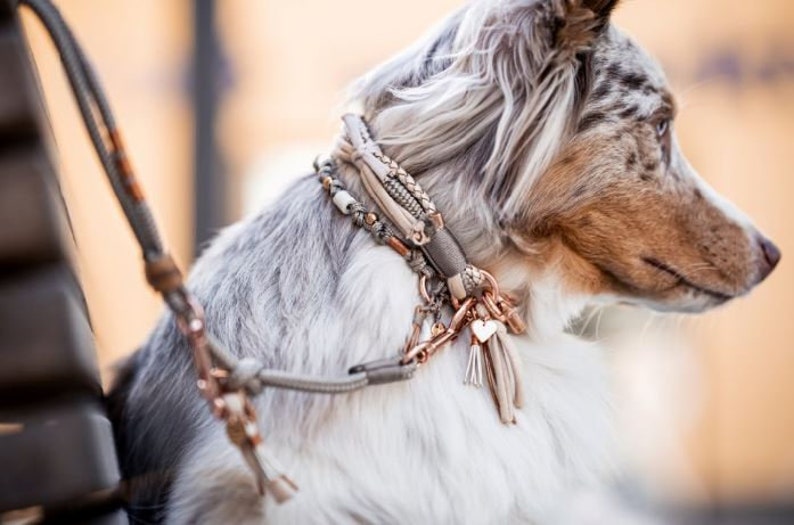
(447, 279)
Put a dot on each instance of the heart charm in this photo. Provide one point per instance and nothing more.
(483, 330)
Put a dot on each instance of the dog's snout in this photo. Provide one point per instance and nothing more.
(770, 259)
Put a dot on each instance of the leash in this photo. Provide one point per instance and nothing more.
(225, 382)
(446, 278)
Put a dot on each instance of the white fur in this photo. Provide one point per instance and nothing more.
(426, 451)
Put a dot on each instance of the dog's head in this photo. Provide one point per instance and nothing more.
(623, 207)
(549, 137)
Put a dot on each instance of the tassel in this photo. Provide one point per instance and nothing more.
(243, 432)
(516, 366)
(272, 477)
(503, 370)
(474, 367)
(502, 384)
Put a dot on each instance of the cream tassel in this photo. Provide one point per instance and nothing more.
(516, 366)
(504, 374)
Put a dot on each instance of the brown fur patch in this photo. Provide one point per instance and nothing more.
(647, 236)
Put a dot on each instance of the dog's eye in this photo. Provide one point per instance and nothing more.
(662, 128)
(663, 135)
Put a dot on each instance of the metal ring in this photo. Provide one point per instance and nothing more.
(419, 352)
(492, 306)
(492, 282)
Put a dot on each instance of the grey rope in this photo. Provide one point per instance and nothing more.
(250, 374)
(87, 92)
(408, 182)
(404, 198)
(405, 179)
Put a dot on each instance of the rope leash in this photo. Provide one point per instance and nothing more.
(413, 227)
(224, 381)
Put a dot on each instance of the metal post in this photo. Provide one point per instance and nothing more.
(210, 196)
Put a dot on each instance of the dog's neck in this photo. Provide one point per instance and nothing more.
(549, 303)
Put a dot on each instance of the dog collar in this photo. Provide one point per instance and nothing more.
(415, 228)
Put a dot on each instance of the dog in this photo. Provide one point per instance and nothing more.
(546, 136)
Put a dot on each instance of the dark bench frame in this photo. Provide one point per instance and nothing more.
(57, 453)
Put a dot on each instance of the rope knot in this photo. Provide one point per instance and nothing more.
(246, 375)
(418, 263)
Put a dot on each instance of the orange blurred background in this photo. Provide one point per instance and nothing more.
(705, 403)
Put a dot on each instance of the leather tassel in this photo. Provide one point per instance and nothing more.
(243, 432)
(503, 370)
(516, 366)
(502, 387)
(489, 372)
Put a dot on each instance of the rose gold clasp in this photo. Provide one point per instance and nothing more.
(501, 307)
(424, 350)
(492, 284)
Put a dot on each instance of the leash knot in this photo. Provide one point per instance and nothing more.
(245, 375)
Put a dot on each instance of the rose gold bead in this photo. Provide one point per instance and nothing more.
(371, 218)
(327, 182)
(398, 246)
(438, 220)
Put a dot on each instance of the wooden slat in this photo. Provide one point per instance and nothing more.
(47, 349)
(55, 455)
(19, 108)
(33, 224)
(6, 10)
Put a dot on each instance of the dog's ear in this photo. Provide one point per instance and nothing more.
(581, 21)
(537, 51)
(602, 9)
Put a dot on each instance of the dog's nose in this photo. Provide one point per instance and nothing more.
(770, 259)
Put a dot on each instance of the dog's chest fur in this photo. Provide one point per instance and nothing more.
(302, 290)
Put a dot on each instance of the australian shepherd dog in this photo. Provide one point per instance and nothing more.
(547, 138)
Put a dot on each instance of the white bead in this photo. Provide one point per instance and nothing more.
(343, 200)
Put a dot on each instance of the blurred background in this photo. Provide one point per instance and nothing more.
(223, 103)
